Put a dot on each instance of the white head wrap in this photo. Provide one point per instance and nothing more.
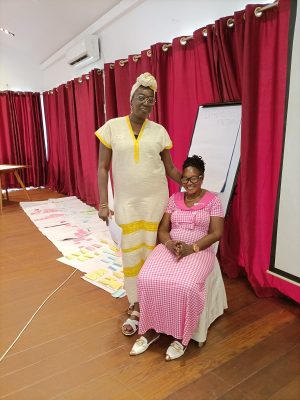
(146, 80)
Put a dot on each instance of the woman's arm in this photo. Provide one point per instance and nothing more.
(171, 171)
(105, 155)
(164, 228)
(215, 232)
(164, 234)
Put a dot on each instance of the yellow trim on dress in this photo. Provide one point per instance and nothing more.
(136, 147)
(139, 225)
(130, 272)
(139, 246)
(102, 140)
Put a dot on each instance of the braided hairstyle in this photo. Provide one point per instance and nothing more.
(196, 162)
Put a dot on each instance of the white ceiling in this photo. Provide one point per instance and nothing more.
(42, 27)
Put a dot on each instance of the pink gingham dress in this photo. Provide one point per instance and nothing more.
(172, 293)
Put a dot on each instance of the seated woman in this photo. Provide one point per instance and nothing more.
(171, 283)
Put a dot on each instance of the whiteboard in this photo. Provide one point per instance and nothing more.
(217, 139)
(285, 253)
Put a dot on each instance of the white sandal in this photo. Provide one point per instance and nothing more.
(141, 345)
(134, 323)
(130, 309)
(175, 350)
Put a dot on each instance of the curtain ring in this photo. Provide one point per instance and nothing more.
(185, 39)
(149, 53)
(123, 62)
(80, 80)
(136, 57)
(87, 77)
(165, 47)
(99, 71)
(111, 66)
(258, 12)
(230, 23)
(204, 32)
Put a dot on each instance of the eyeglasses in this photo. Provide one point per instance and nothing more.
(143, 99)
(192, 179)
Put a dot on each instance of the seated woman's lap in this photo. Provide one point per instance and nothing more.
(162, 266)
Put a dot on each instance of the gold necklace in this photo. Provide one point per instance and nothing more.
(193, 198)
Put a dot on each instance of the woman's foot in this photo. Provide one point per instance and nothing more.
(131, 325)
(143, 342)
(175, 350)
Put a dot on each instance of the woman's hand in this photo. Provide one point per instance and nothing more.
(171, 245)
(104, 214)
(183, 250)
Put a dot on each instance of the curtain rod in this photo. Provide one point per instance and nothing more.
(86, 76)
(135, 58)
(258, 12)
(230, 23)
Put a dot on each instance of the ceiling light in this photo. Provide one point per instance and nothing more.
(4, 30)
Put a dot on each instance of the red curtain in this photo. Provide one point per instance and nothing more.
(73, 112)
(22, 137)
(264, 87)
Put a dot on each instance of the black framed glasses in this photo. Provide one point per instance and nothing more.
(193, 179)
(143, 99)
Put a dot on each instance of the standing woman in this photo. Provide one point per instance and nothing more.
(139, 151)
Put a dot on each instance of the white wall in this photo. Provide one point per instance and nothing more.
(135, 29)
(18, 71)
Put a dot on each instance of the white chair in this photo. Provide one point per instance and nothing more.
(215, 304)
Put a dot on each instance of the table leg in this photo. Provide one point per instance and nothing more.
(21, 183)
(0, 195)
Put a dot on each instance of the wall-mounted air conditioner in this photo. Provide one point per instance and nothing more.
(84, 52)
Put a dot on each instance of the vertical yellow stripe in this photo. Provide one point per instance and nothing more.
(136, 148)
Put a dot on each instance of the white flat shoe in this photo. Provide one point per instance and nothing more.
(141, 345)
(175, 350)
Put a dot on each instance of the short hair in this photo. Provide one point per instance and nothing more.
(196, 162)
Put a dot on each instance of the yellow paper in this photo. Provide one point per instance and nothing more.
(82, 258)
(118, 274)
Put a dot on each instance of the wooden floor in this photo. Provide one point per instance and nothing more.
(73, 349)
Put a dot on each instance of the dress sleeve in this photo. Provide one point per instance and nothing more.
(104, 135)
(171, 205)
(216, 209)
(166, 141)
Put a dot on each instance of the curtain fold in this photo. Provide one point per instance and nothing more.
(111, 107)
(22, 137)
(227, 56)
(123, 87)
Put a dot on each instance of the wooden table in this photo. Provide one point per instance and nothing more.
(5, 169)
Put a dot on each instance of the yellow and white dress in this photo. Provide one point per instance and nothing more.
(140, 189)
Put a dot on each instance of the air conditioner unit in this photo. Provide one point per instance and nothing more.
(84, 52)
